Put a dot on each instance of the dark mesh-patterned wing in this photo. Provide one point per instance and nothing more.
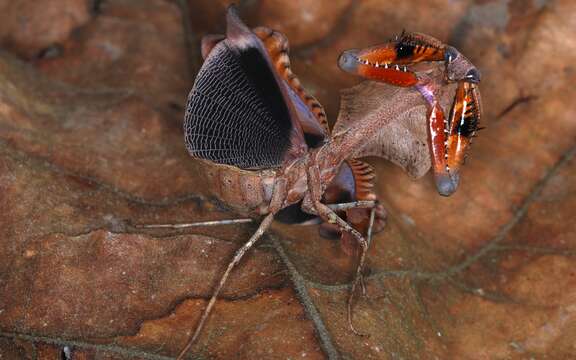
(238, 112)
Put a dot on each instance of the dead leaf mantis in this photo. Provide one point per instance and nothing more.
(269, 151)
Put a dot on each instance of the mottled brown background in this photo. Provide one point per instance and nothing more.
(91, 105)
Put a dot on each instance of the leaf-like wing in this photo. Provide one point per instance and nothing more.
(402, 137)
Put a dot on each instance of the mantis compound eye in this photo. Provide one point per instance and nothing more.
(473, 76)
(450, 54)
(459, 68)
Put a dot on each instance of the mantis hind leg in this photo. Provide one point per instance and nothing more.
(195, 224)
(264, 225)
(278, 197)
(327, 214)
(358, 276)
(336, 207)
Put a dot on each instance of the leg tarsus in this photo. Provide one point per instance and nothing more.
(358, 278)
(351, 324)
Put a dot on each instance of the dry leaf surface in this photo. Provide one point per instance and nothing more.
(91, 96)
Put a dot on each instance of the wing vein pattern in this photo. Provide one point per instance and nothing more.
(235, 114)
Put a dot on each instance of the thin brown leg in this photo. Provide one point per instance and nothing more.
(369, 241)
(358, 277)
(237, 257)
(327, 214)
(335, 207)
(194, 224)
(276, 202)
(371, 225)
(369, 204)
